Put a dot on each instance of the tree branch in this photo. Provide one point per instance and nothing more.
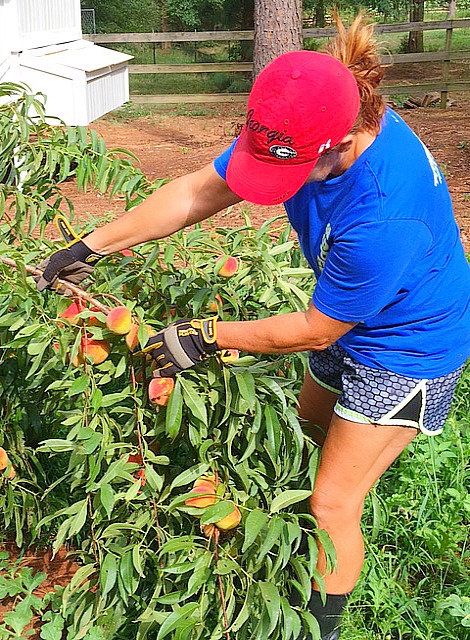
(78, 291)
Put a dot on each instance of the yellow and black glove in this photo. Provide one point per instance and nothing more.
(74, 262)
(182, 344)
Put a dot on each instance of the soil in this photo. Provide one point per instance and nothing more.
(168, 144)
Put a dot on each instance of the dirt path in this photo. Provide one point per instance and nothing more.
(170, 145)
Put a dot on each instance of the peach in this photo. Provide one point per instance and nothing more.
(5, 463)
(216, 304)
(226, 266)
(206, 478)
(160, 390)
(135, 457)
(209, 530)
(139, 475)
(93, 321)
(229, 355)
(204, 496)
(119, 320)
(132, 340)
(97, 350)
(231, 521)
(70, 314)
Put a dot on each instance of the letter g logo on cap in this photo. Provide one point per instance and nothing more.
(282, 153)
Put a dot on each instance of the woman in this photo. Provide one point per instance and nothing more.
(388, 325)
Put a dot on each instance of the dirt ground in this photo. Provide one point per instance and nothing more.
(169, 144)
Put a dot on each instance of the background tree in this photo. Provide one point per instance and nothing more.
(416, 38)
(278, 29)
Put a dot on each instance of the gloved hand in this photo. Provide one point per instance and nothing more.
(74, 263)
(182, 344)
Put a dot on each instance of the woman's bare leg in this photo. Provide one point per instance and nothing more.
(316, 408)
(353, 458)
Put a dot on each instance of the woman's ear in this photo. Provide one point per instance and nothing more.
(345, 144)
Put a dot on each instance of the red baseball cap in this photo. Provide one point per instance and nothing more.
(302, 104)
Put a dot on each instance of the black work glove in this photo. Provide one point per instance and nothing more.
(182, 344)
(74, 263)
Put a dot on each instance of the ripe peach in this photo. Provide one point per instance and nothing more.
(207, 478)
(70, 314)
(119, 320)
(139, 475)
(132, 340)
(93, 321)
(97, 350)
(160, 390)
(229, 355)
(135, 457)
(226, 266)
(5, 462)
(231, 521)
(209, 530)
(215, 304)
(204, 496)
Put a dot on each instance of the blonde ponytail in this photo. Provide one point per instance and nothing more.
(357, 49)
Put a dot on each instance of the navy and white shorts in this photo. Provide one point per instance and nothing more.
(375, 396)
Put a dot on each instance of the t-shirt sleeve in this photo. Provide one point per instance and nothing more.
(367, 266)
(221, 163)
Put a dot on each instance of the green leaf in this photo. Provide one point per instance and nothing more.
(52, 629)
(288, 497)
(189, 475)
(108, 574)
(192, 399)
(56, 445)
(78, 521)
(177, 619)
(20, 617)
(107, 498)
(255, 522)
(272, 602)
(174, 412)
(216, 512)
(328, 547)
(246, 385)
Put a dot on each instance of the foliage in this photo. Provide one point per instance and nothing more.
(146, 568)
(17, 585)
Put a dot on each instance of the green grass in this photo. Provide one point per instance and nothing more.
(416, 578)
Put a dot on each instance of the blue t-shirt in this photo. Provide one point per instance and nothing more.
(384, 245)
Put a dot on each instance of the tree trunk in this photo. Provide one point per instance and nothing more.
(451, 10)
(278, 29)
(320, 14)
(415, 39)
(246, 24)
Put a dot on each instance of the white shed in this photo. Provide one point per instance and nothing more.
(41, 45)
(27, 24)
(81, 80)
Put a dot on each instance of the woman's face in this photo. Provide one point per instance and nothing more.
(329, 165)
(337, 160)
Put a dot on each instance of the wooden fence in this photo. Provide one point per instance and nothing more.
(443, 85)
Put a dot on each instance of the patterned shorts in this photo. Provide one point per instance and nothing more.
(374, 396)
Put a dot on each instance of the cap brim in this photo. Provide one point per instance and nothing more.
(264, 182)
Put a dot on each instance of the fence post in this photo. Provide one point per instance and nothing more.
(446, 67)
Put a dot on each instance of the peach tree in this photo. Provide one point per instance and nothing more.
(116, 478)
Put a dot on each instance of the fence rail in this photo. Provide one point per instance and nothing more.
(443, 85)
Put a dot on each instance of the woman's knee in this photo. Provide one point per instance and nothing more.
(331, 510)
